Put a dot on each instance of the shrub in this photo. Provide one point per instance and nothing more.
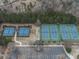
(78, 57)
(68, 50)
(7, 40)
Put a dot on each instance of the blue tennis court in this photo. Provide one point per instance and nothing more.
(45, 36)
(8, 31)
(69, 32)
(56, 32)
(49, 32)
(74, 36)
(73, 32)
(44, 29)
(73, 28)
(64, 28)
(65, 36)
(53, 28)
(23, 31)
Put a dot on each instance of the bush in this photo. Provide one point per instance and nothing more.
(38, 42)
(7, 40)
(68, 50)
(78, 57)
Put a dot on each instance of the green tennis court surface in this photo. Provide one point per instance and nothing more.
(56, 32)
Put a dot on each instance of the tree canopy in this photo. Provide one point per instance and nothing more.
(49, 17)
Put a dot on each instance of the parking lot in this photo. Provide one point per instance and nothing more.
(32, 53)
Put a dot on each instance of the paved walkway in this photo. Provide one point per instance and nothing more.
(75, 51)
(15, 37)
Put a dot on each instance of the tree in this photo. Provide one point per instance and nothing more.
(7, 40)
(47, 17)
(78, 57)
(38, 46)
(38, 42)
(38, 23)
(68, 50)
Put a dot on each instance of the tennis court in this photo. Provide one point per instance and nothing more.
(64, 30)
(69, 32)
(56, 32)
(23, 31)
(8, 31)
(49, 32)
